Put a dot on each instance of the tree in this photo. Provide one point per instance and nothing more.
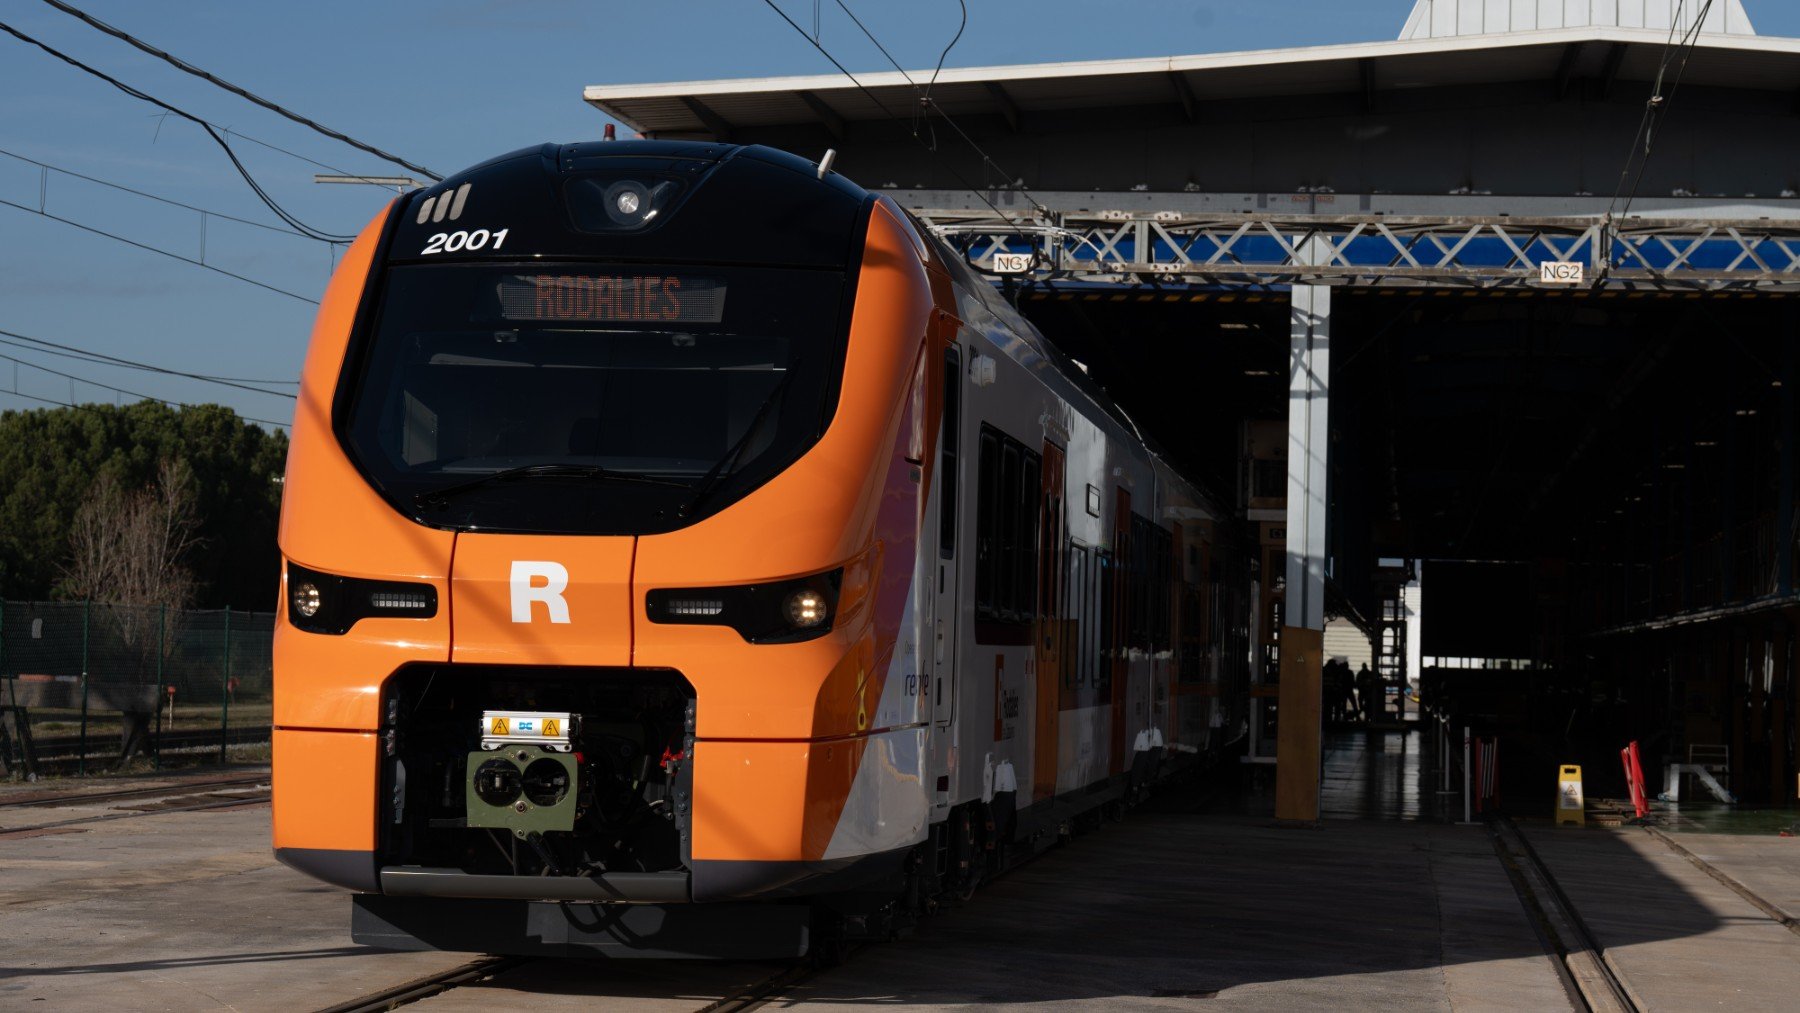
(129, 548)
(127, 552)
(50, 459)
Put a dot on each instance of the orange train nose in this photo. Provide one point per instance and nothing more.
(539, 600)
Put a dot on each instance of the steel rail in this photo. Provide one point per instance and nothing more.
(76, 798)
(1730, 882)
(759, 993)
(413, 991)
(226, 803)
(1582, 963)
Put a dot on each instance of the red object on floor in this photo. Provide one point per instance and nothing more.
(1634, 776)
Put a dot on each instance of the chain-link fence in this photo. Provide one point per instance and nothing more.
(83, 684)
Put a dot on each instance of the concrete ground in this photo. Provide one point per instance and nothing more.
(1172, 907)
(1678, 937)
(179, 911)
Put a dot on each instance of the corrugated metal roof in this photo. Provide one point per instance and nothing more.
(702, 108)
(1436, 19)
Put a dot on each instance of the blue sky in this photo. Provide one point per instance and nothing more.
(445, 84)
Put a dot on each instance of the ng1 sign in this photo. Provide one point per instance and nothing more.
(1012, 263)
(1562, 272)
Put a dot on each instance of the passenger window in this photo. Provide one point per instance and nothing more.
(1006, 533)
(987, 549)
(948, 461)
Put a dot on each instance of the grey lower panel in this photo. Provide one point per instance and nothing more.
(547, 929)
(616, 887)
(354, 870)
(724, 881)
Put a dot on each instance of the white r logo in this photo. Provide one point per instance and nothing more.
(539, 581)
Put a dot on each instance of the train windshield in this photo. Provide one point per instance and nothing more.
(590, 399)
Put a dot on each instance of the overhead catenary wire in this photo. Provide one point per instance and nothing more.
(953, 41)
(157, 249)
(212, 129)
(117, 390)
(932, 148)
(210, 213)
(242, 93)
(1657, 106)
(61, 350)
(174, 404)
(928, 106)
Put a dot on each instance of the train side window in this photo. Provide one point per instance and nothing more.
(987, 549)
(1049, 563)
(1030, 489)
(1163, 573)
(1008, 510)
(948, 459)
(1108, 598)
(1006, 530)
(1080, 669)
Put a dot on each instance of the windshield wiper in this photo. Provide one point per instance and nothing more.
(725, 465)
(440, 497)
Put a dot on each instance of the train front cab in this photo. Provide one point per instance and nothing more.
(612, 470)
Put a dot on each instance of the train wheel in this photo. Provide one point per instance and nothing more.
(829, 946)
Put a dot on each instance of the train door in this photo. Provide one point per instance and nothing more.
(943, 599)
(1118, 659)
(1050, 632)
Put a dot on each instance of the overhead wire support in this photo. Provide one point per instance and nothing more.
(1656, 107)
(173, 404)
(43, 197)
(212, 130)
(240, 92)
(930, 147)
(101, 358)
(74, 379)
(157, 249)
(928, 107)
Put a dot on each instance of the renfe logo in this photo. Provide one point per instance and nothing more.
(536, 580)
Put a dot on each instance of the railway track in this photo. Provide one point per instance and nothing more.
(1593, 979)
(86, 798)
(69, 747)
(208, 796)
(752, 996)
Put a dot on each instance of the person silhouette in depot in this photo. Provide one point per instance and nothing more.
(1346, 689)
(1368, 693)
(1328, 690)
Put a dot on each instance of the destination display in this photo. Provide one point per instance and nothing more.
(612, 298)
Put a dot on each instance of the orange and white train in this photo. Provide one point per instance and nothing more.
(687, 554)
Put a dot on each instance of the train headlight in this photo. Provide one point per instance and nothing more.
(625, 202)
(778, 612)
(307, 599)
(330, 604)
(629, 203)
(805, 609)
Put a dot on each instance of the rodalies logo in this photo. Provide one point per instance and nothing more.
(536, 581)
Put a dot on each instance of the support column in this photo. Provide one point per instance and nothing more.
(1303, 608)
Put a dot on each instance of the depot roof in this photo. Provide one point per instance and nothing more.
(716, 108)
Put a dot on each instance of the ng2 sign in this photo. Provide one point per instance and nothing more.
(1562, 272)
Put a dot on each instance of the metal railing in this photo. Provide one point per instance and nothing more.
(75, 674)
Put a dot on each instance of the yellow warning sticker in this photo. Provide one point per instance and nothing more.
(552, 727)
(499, 727)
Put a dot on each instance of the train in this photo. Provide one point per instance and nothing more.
(686, 553)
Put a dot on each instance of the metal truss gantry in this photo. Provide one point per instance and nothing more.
(1256, 249)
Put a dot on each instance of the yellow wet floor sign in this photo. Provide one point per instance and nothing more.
(1571, 807)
